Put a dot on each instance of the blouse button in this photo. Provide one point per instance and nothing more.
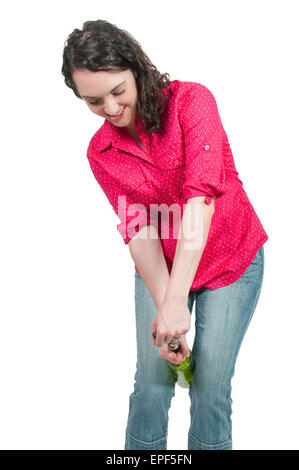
(207, 147)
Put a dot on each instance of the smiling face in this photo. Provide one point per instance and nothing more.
(108, 94)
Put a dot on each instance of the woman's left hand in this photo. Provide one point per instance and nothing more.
(178, 357)
(172, 319)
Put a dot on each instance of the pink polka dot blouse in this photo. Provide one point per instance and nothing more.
(189, 157)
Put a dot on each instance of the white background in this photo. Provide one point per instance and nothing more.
(67, 278)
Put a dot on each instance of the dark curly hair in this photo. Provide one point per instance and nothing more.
(100, 45)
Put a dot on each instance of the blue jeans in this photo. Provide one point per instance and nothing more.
(222, 318)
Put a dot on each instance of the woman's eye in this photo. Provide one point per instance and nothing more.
(116, 94)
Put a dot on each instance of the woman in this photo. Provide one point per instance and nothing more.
(162, 146)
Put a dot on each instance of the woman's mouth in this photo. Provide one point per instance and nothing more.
(118, 116)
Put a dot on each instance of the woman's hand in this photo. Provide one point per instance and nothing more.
(178, 357)
(172, 319)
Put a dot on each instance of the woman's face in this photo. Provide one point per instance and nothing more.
(109, 93)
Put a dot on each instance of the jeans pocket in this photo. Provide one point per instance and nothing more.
(262, 254)
(256, 268)
(259, 257)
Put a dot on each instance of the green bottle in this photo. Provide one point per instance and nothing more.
(182, 373)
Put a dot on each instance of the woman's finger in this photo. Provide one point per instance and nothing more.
(163, 351)
(175, 358)
(184, 347)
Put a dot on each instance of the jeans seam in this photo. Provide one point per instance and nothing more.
(147, 443)
(209, 445)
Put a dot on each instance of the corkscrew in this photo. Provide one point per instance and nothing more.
(174, 343)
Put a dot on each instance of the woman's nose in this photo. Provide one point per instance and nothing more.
(112, 109)
(112, 112)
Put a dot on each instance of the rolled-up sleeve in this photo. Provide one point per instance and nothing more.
(202, 129)
(131, 215)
